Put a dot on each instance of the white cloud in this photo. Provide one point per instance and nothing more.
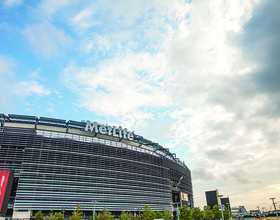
(138, 25)
(11, 89)
(5, 67)
(11, 3)
(85, 19)
(26, 88)
(49, 7)
(46, 39)
(121, 86)
(6, 76)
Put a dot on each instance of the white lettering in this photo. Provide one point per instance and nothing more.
(2, 180)
(130, 136)
(109, 130)
(91, 126)
(120, 132)
(125, 133)
(103, 129)
(115, 131)
(112, 131)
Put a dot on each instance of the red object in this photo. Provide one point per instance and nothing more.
(4, 175)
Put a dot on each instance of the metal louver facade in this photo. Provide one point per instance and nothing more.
(57, 164)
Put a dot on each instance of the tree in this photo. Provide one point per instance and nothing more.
(54, 216)
(95, 217)
(123, 215)
(148, 214)
(159, 214)
(197, 214)
(39, 215)
(130, 216)
(226, 213)
(167, 214)
(58, 216)
(126, 216)
(77, 214)
(49, 216)
(185, 213)
(208, 214)
(105, 215)
(217, 213)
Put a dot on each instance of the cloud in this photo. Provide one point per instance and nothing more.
(27, 88)
(46, 39)
(85, 19)
(11, 3)
(5, 67)
(12, 90)
(134, 26)
(121, 86)
(202, 174)
(122, 14)
(239, 175)
(6, 76)
(220, 155)
(49, 7)
(225, 90)
(261, 46)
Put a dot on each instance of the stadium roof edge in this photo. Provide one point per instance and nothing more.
(60, 122)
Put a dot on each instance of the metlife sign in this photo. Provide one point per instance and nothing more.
(108, 130)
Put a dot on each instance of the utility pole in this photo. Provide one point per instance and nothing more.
(263, 208)
(93, 213)
(229, 216)
(63, 210)
(178, 212)
(274, 207)
(221, 206)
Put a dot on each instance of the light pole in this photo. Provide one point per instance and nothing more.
(93, 213)
(274, 207)
(221, 206)
(263, 213)
(63, 210)
(178, 212)
(229, 216)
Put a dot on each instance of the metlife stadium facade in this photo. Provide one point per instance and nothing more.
(53, 164)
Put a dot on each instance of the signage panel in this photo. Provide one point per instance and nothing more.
(4, 176)
(108, 130)
(184, 196)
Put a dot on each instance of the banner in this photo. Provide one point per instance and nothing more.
(184, 196)
(4, 176)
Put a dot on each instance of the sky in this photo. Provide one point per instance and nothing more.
(198, 77)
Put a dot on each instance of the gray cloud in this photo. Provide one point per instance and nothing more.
(202, 174)
(261, 45)
(261, 33)
(238, 175)
(220, 155)
(261, 52)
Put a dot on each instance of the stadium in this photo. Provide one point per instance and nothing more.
(54, 164)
